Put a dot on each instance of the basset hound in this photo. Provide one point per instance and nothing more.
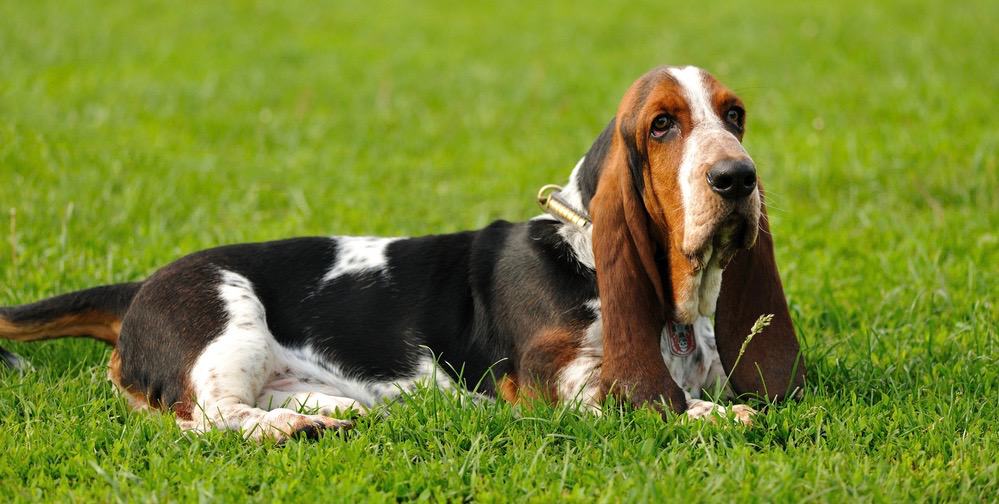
(641, 283)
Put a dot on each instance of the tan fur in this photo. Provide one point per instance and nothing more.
(95, 324)
(510, 390)
(137, 400)
(549, 351)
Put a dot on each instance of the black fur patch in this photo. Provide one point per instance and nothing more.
(593, 162)
(114, 299)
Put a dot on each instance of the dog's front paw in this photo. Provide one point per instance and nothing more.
(743, 414)
(708, 411)
(281, 425)
(658, 393)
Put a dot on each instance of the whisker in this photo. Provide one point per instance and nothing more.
(774, 208)
(759, 225)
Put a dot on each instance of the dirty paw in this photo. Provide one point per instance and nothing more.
(282, 425)
(709, 411)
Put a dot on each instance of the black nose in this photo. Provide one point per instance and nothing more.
(732, 178)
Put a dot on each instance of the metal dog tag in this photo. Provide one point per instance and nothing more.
(680, 339)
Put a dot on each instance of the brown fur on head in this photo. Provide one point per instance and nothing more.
(661, 234)
(665, 173)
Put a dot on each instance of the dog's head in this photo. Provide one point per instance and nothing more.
(677, 198)
(684, 187)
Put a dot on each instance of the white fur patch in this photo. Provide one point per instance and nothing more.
(711, 282)
(571, 193)
(359, 254)
(692, 80)
(704, 119)
(230, 372)
(581, 243)
(578, 381)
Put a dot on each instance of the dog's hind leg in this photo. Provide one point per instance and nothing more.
(233, 370)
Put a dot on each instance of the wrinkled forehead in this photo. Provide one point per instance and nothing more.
(688, 93)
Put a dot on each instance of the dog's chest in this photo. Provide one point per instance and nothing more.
(689, 351)
(691, 355)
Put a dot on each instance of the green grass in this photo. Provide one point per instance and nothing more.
(134, 132)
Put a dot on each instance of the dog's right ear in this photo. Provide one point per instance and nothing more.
(632, 295)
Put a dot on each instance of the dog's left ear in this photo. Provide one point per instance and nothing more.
(772, 366)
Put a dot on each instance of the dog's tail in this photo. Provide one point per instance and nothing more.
(94, 313)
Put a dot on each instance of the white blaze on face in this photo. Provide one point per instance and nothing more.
(696, 93)
(707, 142)
(703, 146)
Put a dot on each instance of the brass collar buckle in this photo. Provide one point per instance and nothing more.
(556, 206)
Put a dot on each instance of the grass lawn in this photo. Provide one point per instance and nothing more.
(134, 132)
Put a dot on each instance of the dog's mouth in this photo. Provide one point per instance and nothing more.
(697, 295)
(730, 234)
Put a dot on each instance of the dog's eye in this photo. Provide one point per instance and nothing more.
(661, 125)
(735, 116)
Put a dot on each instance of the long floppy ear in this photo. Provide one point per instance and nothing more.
(772, 365)
(631, 289)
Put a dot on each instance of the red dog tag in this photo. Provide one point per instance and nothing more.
(681, 339)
